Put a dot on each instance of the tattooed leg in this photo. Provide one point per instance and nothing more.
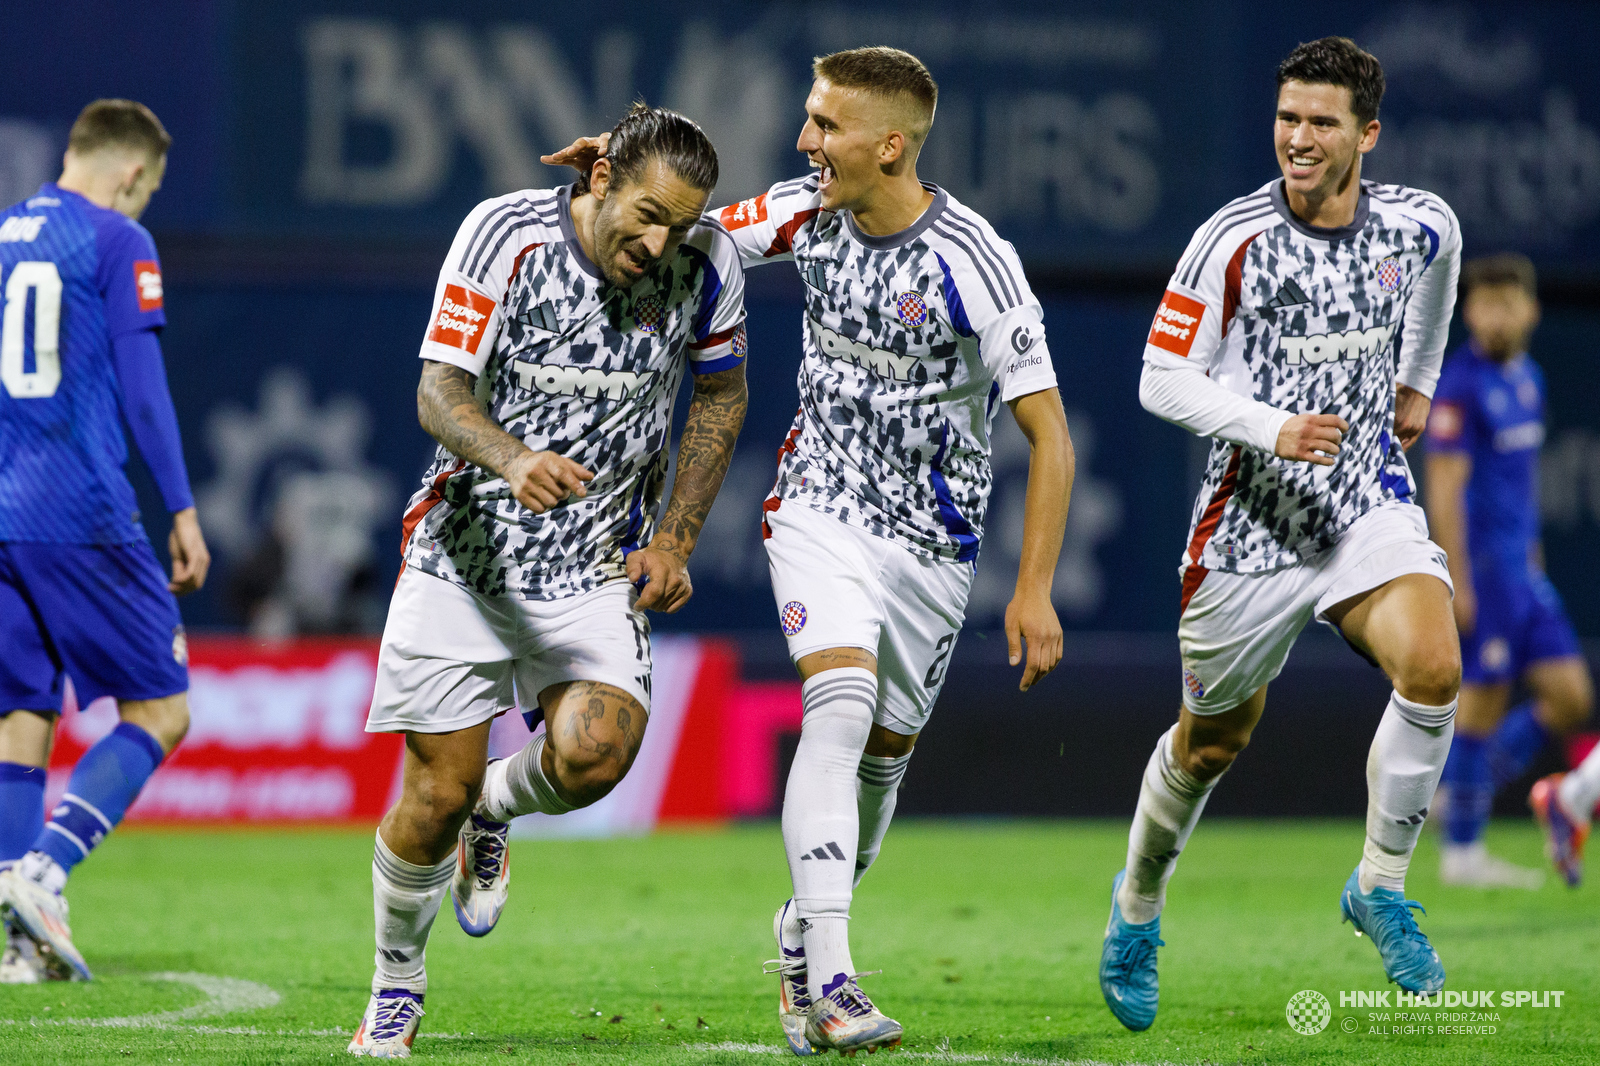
(593, 733)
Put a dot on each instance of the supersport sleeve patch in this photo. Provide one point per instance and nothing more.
(1176, 323)
(461, 318)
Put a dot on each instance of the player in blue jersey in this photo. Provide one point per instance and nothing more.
(82, 594)
(1484, 435)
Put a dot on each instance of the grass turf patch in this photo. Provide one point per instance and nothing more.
(650, 949)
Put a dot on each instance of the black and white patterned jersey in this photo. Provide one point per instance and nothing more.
(910, 342)
(567, 363)
(1302, 319)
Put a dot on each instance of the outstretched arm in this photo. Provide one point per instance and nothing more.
(449, 410)
(1030, 617)
(715, 414)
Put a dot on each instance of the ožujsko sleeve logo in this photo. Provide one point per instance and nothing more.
(1177, 321)
(461, 318)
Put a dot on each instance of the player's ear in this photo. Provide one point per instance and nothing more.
(892, 148)
(600, 178)
(1369, 137)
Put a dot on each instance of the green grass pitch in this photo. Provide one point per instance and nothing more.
(649, 950)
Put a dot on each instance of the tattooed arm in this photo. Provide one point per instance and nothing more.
(449, 410)
(715, 415)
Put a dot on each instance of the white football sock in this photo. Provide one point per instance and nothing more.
(1403, 767)
(820, 822)
(1580, 789)
(405, 900)
(38, 867)
(518, 785)
(877, 785)
(1170, 802)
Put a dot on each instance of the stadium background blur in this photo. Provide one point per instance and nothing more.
(324, 153)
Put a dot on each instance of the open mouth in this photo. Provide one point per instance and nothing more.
(825, 175)
(1302, 166)
(634, 263)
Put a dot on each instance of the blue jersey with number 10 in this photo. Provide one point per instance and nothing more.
(73, 276)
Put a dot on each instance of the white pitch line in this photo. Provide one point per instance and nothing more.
(224, 995)
(928, 1056)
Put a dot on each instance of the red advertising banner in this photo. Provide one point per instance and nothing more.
(276, 735)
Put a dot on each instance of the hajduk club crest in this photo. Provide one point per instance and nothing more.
(647, 311)
(1389, 274)
(911, 308)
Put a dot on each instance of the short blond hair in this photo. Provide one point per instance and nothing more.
(118, 124)
(890, 73)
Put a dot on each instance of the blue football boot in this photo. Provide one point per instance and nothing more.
(1128, 966)
(1385, 916)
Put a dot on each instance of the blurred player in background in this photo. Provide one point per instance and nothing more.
(1565, 806)
(1278, 337)
(562, 325)
(919, 323)
(1484, 434)
(82, 594)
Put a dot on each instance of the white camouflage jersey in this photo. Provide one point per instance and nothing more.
(567, 363)
(910, 342)
(1308, 320)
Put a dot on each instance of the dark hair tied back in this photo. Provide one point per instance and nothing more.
(646, 133)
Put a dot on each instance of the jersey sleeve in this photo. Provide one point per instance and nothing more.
(129, 277)
(1186, 341)
(763, 227)
(720, 341)
(1451, 418)
(989, 298)
(467, 318)
(1433, 300)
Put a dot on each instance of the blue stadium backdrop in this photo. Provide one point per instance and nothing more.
(325, 152)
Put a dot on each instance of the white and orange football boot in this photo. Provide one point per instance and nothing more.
(389, 1026)
(794, 998)
(845, 1019)
(483, 874)
(41, 914)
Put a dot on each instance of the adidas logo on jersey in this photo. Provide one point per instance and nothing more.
(1327, 347)
(579, 380)
(1290, 295)
(541, 317)
(888, 364)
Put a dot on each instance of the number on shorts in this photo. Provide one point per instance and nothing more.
(935, 676)
(44, 281)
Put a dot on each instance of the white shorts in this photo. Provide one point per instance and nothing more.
(841, 587)
(1237, 629)
(451, 658)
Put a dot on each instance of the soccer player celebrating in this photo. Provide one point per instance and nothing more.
(562, 325)
(1484, 434)
(81, 591)
(918, 321)
(1303, 330)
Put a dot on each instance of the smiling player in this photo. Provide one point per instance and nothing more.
(563, 323)
(919, 323)
(1303, 331)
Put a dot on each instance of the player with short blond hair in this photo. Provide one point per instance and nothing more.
(82, 594)
(919, 324)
